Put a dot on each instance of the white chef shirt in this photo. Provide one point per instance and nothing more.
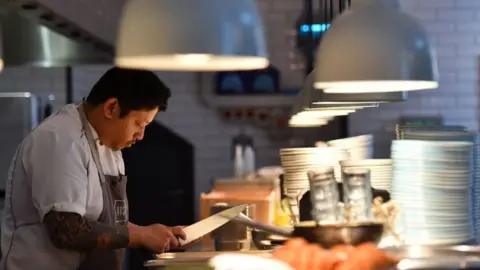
(52, 170)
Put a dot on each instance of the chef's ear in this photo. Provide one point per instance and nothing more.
(111, 108)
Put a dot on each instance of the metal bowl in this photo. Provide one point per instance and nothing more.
(349, 233)
(265, 241)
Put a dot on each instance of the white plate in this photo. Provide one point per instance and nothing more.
(238, 261)
(367, 163)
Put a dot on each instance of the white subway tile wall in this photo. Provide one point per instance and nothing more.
(42, 82)
(454, 26)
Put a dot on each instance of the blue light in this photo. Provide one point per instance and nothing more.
(315, 28)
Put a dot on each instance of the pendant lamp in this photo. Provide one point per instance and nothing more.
(312, 98)
(303, 107)
(191, 35)
(359, 98)
(307, 114)
(2, 63)
(374, 47)
(304, 122)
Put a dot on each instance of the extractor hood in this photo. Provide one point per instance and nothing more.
(33, 37)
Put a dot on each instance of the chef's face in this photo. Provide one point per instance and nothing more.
(123, 131)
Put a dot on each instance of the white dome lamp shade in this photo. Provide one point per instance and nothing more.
(2, 64)
(307, 114)
(314, 99)
(304, 122)
(322, 113)
(315, 117)
(309, 111)
(374, 47)
(186, 35)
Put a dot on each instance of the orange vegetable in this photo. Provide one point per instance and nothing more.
(301, 255)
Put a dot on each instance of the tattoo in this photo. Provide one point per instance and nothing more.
(74, 232)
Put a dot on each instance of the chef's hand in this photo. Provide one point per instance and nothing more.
(159, 238)
(178, 231)
(191, 244)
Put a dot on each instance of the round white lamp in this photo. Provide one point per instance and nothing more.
(373, 47)
(306, 121)
(186, 35)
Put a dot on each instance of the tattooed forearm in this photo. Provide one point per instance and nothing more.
(74, 232)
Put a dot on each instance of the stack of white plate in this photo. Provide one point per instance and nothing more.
(359, 147)
(458, 136)
(296, 162)
(402, 130)
(380, 171)
(430, 184)
(340, 155)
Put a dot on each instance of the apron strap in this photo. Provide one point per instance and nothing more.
(91, 142)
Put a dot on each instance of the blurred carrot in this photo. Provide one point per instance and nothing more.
(301, 255)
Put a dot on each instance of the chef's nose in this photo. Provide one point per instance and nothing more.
(139, 135)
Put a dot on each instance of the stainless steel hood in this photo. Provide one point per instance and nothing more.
(35, 37)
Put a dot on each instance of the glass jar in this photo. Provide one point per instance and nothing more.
(324, 195)
(357, 194)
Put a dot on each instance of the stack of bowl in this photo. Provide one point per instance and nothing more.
(359, 147)
(380, 171)
(431, 185)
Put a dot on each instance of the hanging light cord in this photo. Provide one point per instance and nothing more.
(329, 14)
(311, 39)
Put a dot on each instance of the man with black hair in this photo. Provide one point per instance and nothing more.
(65, 205)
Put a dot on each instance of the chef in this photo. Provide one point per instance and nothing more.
(65, 204)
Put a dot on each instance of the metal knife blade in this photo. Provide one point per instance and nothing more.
(211, 223)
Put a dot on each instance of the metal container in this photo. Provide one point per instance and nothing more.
(19, 113)
(185, 259)
(232, 236)
(436, 257)
(330, 235)
(235, 245)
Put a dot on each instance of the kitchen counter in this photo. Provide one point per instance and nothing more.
(195, 259)
(415, 257)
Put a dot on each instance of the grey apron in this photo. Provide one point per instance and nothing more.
(115, 208)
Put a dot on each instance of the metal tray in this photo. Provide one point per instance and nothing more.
(415, 257)
(424, 252)
(437, 257)
(167, 259)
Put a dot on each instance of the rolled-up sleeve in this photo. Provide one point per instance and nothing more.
(55, 165)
